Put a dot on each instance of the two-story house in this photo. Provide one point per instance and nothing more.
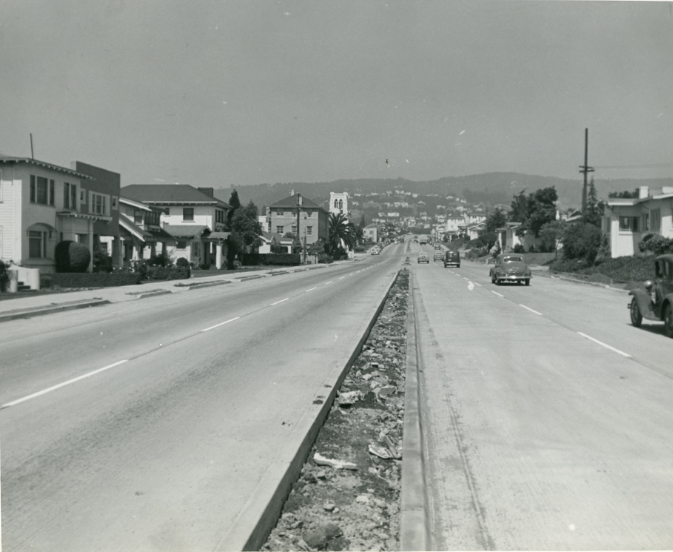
(194, 217)
(42, 204)
(313, 219)
(627, 220)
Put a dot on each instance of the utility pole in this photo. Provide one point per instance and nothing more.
(299, 202)
(586, 169)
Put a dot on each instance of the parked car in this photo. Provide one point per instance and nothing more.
(437, 246)
(423, 258)
(654, 300)
(438, 256)
(375, 251)
(510, 268)
(452, 258)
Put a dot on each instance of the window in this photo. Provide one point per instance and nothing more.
(66, 195)
(309, 230)
(98, 204)
(656, 220)
(219, 215)
(279, 229)
(294, 228)
(70, 196)
(645, 222)
(628, 224)
(196, 250)
(114, 202)
(188, 213)
(167, 210)
(41, 190)
(36, 244)
(138, 217)
(81, 196)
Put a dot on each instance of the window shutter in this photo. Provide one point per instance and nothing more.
(32, 188)
(52, 192)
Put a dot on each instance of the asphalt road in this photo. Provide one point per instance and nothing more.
(547, 416)
(148, 425)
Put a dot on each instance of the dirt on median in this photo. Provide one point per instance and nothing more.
(348, 494)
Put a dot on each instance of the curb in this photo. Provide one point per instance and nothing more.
(96, 302)
(262, 510)
(154, 293)
(414, 527)
(575, 281)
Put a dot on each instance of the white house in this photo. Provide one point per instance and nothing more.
(627, 220)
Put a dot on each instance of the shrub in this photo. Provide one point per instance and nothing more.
(45, 281)
(102, 262)
(283, 259)
(325, 258)
(182, 262)
(168, 273)
(656, 244)
(251, 259)
(99, 279)
(71, 257)
(237, 264)
(582, 241)
(204, 266)
(568, 265)
(518, 248)
(159, 260)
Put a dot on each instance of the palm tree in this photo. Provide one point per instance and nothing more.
(341, 233)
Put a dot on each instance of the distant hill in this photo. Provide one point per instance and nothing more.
(490, 188)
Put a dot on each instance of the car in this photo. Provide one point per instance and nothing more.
(437, 246)
(452, 258)
(439, 256)
(510, 268)
(375, 251)
(654, 301)
(423, 258)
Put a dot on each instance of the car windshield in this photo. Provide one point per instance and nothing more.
(512, 259)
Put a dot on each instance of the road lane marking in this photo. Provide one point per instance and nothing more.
(272, 304)
(328, 282)
(53, 388)
(310, 289)
(220, 324)
(465, 278)
(476, 284)
(498, 294)
(605, 345)
(531, 310)
(470, 286)
(342, 278)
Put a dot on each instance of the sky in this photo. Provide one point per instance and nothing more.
(226, 93)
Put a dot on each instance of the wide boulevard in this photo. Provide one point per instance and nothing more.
(151, 424)
(547, 416)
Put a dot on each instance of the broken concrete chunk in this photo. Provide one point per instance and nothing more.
(363, 499)
(336, 464)
(387, 390)
(381, 452)
(349, 398)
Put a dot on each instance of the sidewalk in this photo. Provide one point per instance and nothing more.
(28, 305)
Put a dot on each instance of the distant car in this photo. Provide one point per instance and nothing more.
(375, 251)
(654, 300)
(423, 258)
(452, 258)
(437, 246)
(510, 268)
(439, 256)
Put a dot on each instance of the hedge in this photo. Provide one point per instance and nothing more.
(86, 279)
(619, 269)
(168, 273)
(71, 257)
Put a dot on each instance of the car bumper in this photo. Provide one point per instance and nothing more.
(513, 278)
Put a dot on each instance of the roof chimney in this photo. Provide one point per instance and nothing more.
(291, 192)
(643, 192)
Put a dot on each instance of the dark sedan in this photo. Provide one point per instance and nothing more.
(510, 268)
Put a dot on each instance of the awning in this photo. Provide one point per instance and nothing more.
(89, 216)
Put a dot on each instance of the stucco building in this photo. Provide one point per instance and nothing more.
(313, 220)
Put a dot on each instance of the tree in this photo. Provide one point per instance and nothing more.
(235, 204)
(341, 234)
(594, 211)
(582, 241)
(541, 208)
(552, 234)
(245, 231)
(625, 194)
(497, 219)
(519, 210)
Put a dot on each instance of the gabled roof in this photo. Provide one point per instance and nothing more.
(291, 202)
(162, 194)
(6, 159)
(135, 204)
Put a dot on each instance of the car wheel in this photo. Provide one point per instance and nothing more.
(636, 315)
(668, 320)
(526, 281)
(493, 278)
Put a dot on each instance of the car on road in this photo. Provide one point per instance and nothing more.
(654, 301)
(423, 258)
(375, 251)
(437, 246)
(452, 258)
(439, 256)
(510, 268)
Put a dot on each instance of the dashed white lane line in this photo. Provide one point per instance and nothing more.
(466, 278)
(531, 310)
(272, 304)
(476, 284)
(220, 324)
(605, 345)
(53, 388)
(342, 278)
(498, 294)
(328, 282)
(310, 289)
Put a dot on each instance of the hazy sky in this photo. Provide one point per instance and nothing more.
(214, 93)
